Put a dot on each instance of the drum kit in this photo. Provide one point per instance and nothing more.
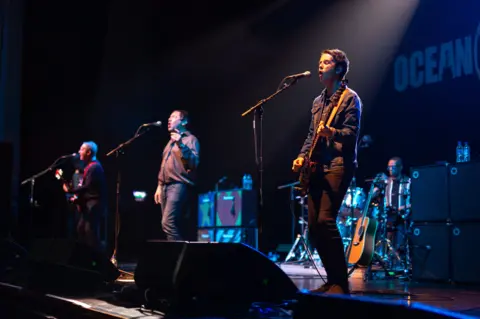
(392, 246)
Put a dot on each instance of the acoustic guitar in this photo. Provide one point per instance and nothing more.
(71, 198)
(362, 246)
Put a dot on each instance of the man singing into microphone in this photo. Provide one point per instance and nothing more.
(91, 197)
(335, 160)
(177, 175)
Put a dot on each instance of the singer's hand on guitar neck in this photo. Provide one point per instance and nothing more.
(175, 136)
(297, 164)
(324, 130)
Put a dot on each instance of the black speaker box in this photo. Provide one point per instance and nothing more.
(209, 278)
(465, 258)
(429, 193)
(67, 265)
(430, 252)
(464, 185)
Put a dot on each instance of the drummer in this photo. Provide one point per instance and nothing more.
(393, 196)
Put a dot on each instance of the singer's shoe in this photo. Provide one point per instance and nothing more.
(332, 289)
(322, 289)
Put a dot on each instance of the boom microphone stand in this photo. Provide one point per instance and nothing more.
(258, 138)
(33, 178)
(119, 150)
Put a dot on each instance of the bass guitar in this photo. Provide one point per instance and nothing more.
(362, 247)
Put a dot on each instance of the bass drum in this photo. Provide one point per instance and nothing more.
(354, 201)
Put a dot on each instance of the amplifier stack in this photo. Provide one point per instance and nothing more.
(228, 216)
(446, 215)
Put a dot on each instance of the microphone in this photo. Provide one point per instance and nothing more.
(157, 123)
(69, 155)
(305, 74)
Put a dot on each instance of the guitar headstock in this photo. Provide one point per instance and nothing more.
(59, 174)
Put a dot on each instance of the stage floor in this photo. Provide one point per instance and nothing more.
(465, 300)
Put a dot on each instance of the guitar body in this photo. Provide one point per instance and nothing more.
(305, 175)
(71, 198)
(362, 247)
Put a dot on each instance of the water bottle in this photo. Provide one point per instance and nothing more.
(460, 152)
(245, 182)
(466, 152)
(250, 182)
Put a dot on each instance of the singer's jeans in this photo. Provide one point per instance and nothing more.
(327, 190)
(174, 202)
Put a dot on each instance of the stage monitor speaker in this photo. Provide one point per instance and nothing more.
(6, 168)
(429, 193)
(209, 278)
(464, 178)
(430, 251)
(63, 264)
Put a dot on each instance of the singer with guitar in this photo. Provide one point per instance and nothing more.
(91, 198)
(327, 162)
(177, 176)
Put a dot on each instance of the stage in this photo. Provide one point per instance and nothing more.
(118, 300)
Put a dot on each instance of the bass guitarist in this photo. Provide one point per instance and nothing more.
(329, 159)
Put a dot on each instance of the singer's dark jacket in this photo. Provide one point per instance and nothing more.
(180, 161)
(93, 189)
(341, 149)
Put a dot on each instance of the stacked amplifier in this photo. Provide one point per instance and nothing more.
(446, 213)
(228, 216)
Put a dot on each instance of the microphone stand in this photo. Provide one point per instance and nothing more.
(119, 151)
(258, 144)
(31, 180)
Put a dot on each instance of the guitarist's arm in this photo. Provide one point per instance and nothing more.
(351, 125)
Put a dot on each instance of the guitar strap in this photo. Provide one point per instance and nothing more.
(330, 119)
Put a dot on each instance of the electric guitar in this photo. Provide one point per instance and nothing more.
(362, 246)
(308, 166)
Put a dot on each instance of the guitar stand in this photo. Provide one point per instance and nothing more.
(368, 273)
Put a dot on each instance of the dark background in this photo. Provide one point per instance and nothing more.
(96, 70)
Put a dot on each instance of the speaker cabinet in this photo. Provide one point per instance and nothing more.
(429, 193)
(464, 196)
(209, 278)
(236, 208)
(430, 246)
(206, 234)
(247, 236)
(206, 210)
(465, 257)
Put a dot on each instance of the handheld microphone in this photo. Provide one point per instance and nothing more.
(157, 123)
(305, 74)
